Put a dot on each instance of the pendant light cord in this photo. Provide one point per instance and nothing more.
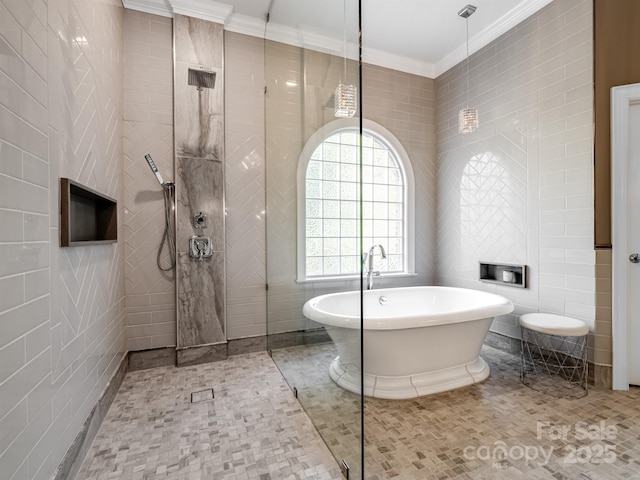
(344, 37)
(467, 62)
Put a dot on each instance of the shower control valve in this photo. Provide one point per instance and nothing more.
(199, 220)
(200, 247)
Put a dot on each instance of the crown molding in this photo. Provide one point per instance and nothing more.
(203, 9)
(155, 7)
(246, 25)
(489, 34)
(305, 38)
(219, 12)
(397, 62)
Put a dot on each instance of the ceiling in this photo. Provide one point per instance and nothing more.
(425, 37)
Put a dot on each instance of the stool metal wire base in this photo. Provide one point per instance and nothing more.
(553, 364)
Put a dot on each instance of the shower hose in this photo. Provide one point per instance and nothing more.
(169, 235)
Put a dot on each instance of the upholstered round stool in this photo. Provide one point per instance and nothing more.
(554, 354)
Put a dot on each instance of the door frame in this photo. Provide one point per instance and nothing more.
(621, 100)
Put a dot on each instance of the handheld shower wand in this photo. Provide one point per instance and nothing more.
(154, 169)
(169, 236)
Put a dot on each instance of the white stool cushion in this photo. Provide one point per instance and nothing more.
(554, 324)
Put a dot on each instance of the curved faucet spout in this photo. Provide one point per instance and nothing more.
(369, 257)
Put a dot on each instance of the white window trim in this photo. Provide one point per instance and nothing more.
(406, 169)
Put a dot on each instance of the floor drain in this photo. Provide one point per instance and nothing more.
(202, 395)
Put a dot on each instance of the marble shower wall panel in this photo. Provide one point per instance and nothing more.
(200, 306)
(202, 182)
(199, 113)
(201, 284)
(199, 151)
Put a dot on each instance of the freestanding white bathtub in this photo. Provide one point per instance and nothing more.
(417, 340)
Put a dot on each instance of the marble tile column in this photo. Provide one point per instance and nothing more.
(199, 143)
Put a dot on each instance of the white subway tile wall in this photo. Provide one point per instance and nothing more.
(529, 166)
(148, 128)
(245, 183)
(61, 309)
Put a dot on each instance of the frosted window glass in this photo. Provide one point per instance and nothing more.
(395, 246)
(349, 264)
(367, 192)
(348, 173)
(331, 152)
(348, 246)
(380, 210)
(367, 174)
(395, 263)
(331, 246)
(381, 229)
(367, 209)
(331, 171)
(314, 170)
(314, 189)
(394, 177)
(381, 193)
(348, 228)
(348, 191)
(330, 190)
(395, 211)
(314, 228)
(314, 247)
(349, 138)
(314, 266)
(331, 228)
(348, 209)
(381, 157)
(381, 175)
(332, 211)
(314, 208)
(395, 194)
(367, 156)
(367, 228)
(395, 228)
(331, 265)
(348, 154)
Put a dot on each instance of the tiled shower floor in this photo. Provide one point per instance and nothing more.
(254, 428)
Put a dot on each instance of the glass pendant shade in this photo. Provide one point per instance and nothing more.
(346, 101)
(468, 120)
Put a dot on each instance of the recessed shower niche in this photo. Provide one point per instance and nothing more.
(87, 217)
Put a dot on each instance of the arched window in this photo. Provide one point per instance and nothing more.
(328, 202)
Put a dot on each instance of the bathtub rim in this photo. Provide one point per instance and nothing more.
(499, 306)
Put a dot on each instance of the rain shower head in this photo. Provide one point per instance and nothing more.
(201, 78)
(154, 169)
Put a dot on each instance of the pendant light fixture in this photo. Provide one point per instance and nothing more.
(345, 95)
(468, 117)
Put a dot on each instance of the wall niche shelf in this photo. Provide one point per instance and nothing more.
(504, 274)
(86, 216)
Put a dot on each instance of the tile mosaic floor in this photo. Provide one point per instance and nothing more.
(255, 429)
(499, 429)
(252, 429)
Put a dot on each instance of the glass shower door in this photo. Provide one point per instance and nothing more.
(313, 228)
